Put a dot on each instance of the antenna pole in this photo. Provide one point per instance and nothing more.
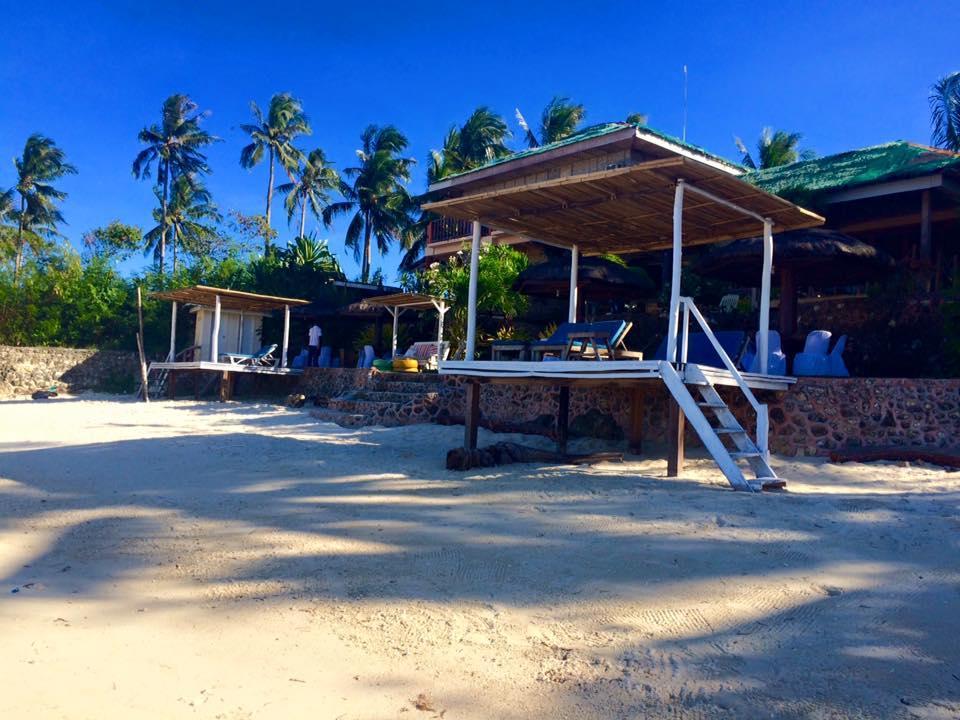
(684, 103)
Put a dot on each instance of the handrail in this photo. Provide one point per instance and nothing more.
(690, 308)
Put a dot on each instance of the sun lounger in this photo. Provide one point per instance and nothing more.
(583, 341)
(427, 355)
(701, 351)
(264, 357)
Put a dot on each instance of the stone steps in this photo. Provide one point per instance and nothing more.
(388, 400)
(401, 386)
(343, 419)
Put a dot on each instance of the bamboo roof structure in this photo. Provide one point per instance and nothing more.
(611, 189)
(229, 299)
(402, 300)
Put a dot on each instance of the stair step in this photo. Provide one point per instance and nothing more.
(343, 419)
(730, 431)
(771, 483)
(739, 454)
(711, 405)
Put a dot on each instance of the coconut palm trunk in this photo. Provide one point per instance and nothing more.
(367, 250)
(303, 217)
(18, 263)
(163, 214)
(266, 239)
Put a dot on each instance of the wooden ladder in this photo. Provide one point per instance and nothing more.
(727, 441)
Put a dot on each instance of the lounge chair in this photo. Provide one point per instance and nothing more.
(263, 357)
(701, 351)
(427, 355)
(776, 359)
(813, 360)
(585, 340)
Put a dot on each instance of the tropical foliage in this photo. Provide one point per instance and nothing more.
(375, 194)
(274, 134)
(309, 252)
(37, 214)
(945, 112)
(774, 149)
(190, 222)
(116, 240)
(175, 146)
(498, 268)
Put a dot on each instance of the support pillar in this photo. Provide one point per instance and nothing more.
(395, 311)
(673, 320)
(286, 335)
(471, 415)
(563, 419)
(675, 429)
(788, 302)
(215, 334)
(472, 293)
(171, 356)
(925, 231)
(637, 404)
(763, 342)
(574, 273)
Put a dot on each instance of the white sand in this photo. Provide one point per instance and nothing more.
(195, 560)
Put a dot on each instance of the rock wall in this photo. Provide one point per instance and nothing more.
(26, 369)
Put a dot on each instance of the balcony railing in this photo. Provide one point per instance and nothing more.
(446, 229)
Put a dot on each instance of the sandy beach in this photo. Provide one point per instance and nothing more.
(198, 560)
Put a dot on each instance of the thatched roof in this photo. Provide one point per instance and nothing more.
(817, 256)
(597, 278)
(229, 299)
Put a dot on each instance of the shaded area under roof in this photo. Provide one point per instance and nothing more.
(880, 163)
(597, 279)
(817, 257)
(229, 299)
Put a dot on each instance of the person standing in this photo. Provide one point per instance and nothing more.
(313, 344)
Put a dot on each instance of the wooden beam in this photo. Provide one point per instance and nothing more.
(563, 419)
(637, 406)
(676, 425)
(471, 415)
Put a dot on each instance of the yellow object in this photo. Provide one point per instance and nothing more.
(405, 365)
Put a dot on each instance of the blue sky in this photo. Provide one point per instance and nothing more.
(91, 74)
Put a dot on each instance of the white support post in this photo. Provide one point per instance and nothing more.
(472, 293)
(215, 335)
(240, 334)
(686, 333)
(763, 344)
(286, 335)
(441, 307)
(574, 272)
(673, 320)
(172, 355)
(396, 318)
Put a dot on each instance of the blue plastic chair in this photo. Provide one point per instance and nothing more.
(813, 360)
(776, 359)
(366, 357)
(835, 365)
(701, 351)
(324, 359)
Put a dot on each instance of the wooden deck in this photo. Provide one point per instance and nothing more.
(169, 372)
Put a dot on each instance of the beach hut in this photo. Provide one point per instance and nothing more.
(624, 188)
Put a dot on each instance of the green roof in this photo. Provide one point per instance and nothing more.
(899, 160)
(589, 133)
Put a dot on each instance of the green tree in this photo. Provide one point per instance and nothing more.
(637, 118)
(38, 214)
(945, 112)
(376, 195)
(309, 252)
(175, 146)
(190, 221)
(559, 119)
(116, 240)
(310, 188)
(774, 149)
(274, 135)
(498, 268)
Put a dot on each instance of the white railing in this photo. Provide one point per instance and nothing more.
(763, 422)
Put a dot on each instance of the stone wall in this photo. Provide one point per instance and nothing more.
(26, 369)
(815, 416)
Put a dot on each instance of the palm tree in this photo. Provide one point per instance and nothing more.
(309, 188)
(945, 112)
(190, 221)
(637, 118)
(377, 196)
(285, 121)
(41, 164)
(560, 119)
(774, 149)
(175, 146)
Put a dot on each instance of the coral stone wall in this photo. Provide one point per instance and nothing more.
(26, 369)
(327, 383)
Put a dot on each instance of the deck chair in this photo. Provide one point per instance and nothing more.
(263, 357)
(835, 365)
(776, 359)
(813, 360)
(427, 355)
(324, 359)
(568, 339)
